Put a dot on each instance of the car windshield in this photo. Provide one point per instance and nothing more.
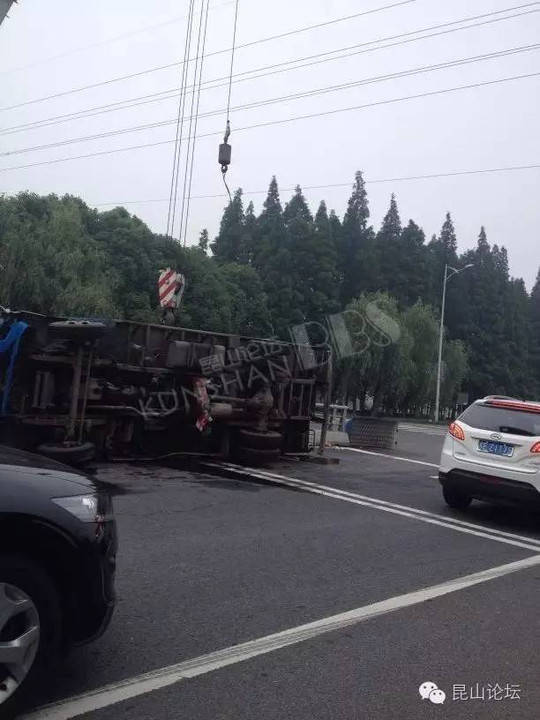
(505, 420)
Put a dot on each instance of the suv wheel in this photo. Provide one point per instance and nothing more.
(30, 628)
(456, 499)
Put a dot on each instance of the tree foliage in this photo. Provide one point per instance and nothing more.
(284, 266)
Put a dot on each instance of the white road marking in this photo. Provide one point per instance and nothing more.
(404, 510)
(166, 676)
(385, 455)
(433, 477)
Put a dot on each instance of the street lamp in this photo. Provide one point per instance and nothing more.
(447, 277)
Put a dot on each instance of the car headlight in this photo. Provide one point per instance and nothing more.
(87, 508)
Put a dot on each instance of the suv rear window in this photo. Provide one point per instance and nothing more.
(497, 419)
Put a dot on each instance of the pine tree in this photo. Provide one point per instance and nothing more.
(389, 252)
(412, 276)
(297, 208)
(229, 246)
(442, 251)
(355, 245)
(317, 269)
(448, 238)
(270, 227)
(250, 231)
(272, 259)
(203, 240)
(534, 325)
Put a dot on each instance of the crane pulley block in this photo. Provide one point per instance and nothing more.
(224, 157)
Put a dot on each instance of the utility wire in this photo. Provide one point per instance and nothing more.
(270, 38)
(287, 98)
(233, 50)
(283, 121)
(194, 116)
(179, 126)
(196, 124)
(107, 41)
(184, 119)
(274, 69)
(408, 178)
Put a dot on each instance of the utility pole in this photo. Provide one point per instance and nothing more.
(447, 277)
(4, 8)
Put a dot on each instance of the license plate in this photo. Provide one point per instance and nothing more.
(495, 448)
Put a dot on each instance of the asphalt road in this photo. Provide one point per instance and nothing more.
(213, 559)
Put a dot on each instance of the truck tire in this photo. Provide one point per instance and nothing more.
(262, 440)
(23, 580)
(70, 453)
(256, 456)
(77, 330)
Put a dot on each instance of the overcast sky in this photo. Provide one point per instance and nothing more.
(50, 46)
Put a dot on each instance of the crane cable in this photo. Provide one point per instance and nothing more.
(194, 138)
(224, 158)
(179, 126)
(192, 117)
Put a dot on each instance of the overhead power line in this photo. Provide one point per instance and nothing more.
(173, 193)
(407, 178)
(306, 28)
(193, 123)
(273, 69)
(283, 121)
(284, 98)
(107, 41)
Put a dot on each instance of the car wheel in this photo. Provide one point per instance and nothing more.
(256, 456)
(258, 439)
(456, 499)
(30, 628)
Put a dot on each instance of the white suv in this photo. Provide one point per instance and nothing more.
(492, 452)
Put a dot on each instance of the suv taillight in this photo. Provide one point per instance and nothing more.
(536, 448)
(456, 431)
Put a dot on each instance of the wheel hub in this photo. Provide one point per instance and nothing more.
(19, 638)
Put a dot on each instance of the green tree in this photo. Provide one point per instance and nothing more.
(390, 256)
(355, 244)
(250, 314)
(232, 245)
(534, 332)
(376, 368)
(204, 240)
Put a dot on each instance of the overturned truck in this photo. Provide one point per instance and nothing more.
(79, 389)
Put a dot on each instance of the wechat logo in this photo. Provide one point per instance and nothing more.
(430, 691)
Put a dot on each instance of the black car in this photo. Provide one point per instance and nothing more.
(57, 562)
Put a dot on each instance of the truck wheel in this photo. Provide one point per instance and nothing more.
(30, 628)
(455, 498)
(258, 439)
(256, 456)
(70, 453)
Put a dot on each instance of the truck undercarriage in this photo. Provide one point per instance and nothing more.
(78, 389)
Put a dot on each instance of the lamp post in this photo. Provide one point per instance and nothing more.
(447, 277)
